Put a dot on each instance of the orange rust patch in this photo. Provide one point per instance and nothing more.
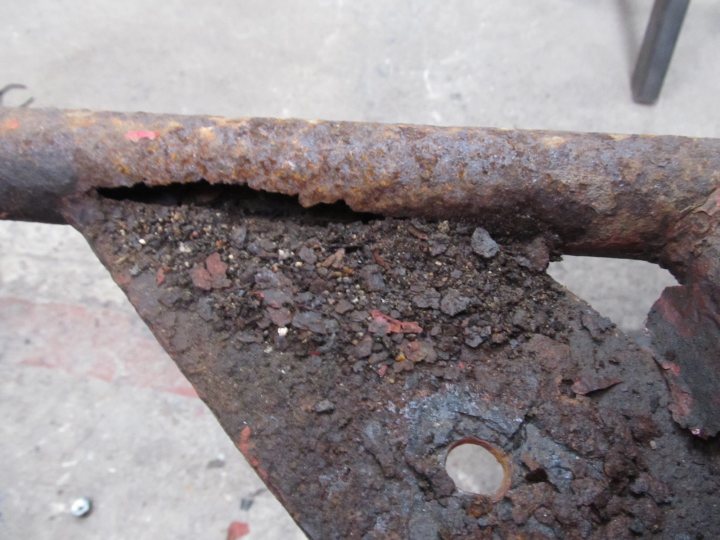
(554, 141)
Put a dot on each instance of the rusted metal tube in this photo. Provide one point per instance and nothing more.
(600, 194)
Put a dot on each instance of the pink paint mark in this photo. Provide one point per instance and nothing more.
(36, 361)
(160, 276)
(140, 134)
(117, 350)
(244, 442)
(672, 367)
(12, 123)
(237, 529)
(180, 390)
(103, 369)
(682, 403)
(246, 446)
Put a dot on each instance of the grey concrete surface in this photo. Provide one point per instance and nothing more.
(90, 404)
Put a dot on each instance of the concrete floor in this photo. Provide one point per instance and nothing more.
(90, 404)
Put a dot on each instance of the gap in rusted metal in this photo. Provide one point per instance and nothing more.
(241, 200)
(622, 290)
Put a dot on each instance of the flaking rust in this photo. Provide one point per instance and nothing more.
(346, 384)
(346, 353)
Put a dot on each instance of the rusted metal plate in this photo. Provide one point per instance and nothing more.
(685, 323)
(345, 358)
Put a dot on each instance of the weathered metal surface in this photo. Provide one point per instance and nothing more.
(601, 194)
(351, 442)
(684, 323)
(346, 359)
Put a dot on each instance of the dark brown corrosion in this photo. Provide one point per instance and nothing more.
(400, 341)
(345, 359)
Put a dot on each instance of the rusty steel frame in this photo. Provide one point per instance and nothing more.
(654, 198)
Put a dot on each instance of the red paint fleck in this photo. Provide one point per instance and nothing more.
(122, 278)
(140, 134)
(244, 442)
(160, 276)
(123, 355)
(672, 367)
(180, 390)
(215, 266)
(682, 402)
(382, 370)
(246, 448)
(237, 529)
(12, 123)
(394, 325)
(461, 365)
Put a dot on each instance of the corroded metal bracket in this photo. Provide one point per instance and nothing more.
(653, 198)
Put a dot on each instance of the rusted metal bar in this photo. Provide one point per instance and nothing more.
(600, 194)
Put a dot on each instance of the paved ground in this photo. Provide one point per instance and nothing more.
(90, 404)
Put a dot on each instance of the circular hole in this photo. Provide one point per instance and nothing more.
(478, 467)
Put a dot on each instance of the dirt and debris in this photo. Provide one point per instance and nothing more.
(344, 354)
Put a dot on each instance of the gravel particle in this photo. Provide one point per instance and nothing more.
(238, 235)
(324, 407)
(343, 306)
(429, 298)
(364, 347)
(280, 317)
(373, 278)
(309, 320)
(307, 255)
(483, 244)
(454, 302)
(537, 256)
(439, 244)
(276, 298)
(419, 351)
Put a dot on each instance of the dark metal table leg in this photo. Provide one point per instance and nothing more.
(657, 48)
